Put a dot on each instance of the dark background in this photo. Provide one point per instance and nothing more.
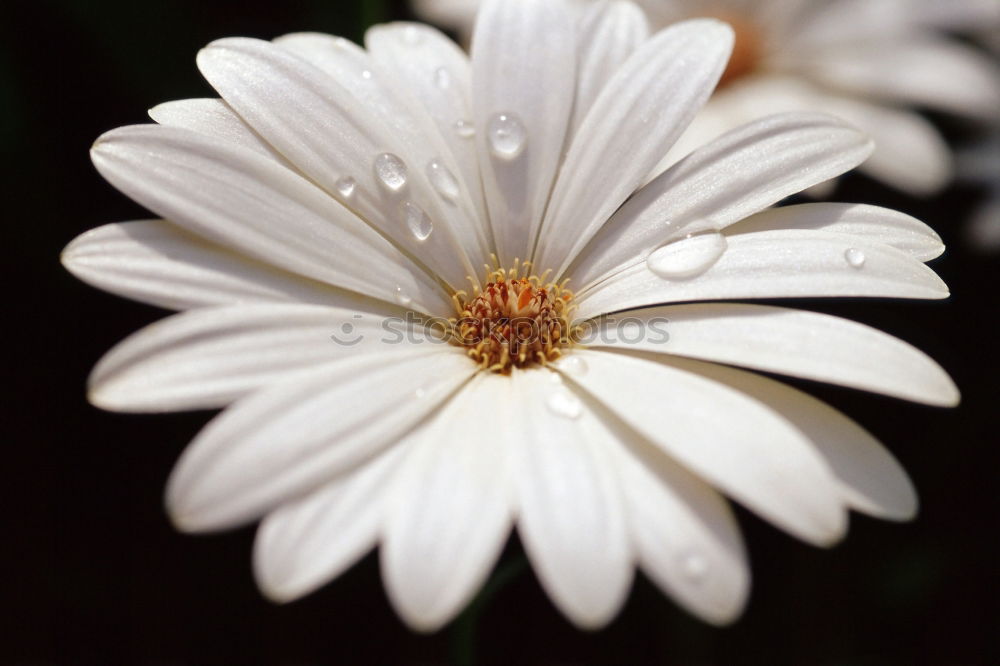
(98, 576)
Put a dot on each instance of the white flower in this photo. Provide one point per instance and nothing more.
(866, 61)
(337, 191)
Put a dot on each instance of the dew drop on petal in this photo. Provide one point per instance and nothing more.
(391, 171)
(417, 221)
(562, 403)
(855, 257)
(411, 35)
(507, 135)
(688, 257)
(573, 365)
(442, 179)
(442, 78)
(419, 393)
(402, 298)
(366, 74)
(693, 566)
(346, 186)
(464, 129)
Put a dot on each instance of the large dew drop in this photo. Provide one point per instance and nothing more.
(442, 179)
(564, 404)
(688, 257)
(464, 129)
(346, 186)
(391, 171)
(417, 221)
(402, 298)
(506, 135)
(855, 257)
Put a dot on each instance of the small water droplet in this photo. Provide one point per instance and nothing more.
(346, 186)
(402, 298)
(693, 566)
(417, 221)
(391, 171)
(411, 35)
(688, 257)
(573, 365)
(366, 74)
(507, 135)
(855, 257)
(419, 393)
(564, 404)
(442, 179)
(442, 78)
(464, 129)
(555, 378)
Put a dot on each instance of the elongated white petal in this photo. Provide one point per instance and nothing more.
(450, 510)
(641, 111)
(684, 533)
(753, 454)
(874, 223)
(156, 262)
(238, 198)
(789, 342)
(282, 442)
(420, 61)
(571, 516)
(787, 263)
(208, 358)
(348, 133)
(869, 478)
(308, 542)
(523, 83)
(609, 33)
(214, 118)
(923, 70)
(738, 174)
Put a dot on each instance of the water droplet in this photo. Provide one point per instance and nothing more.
(555, 378)
(442, 180)
(391, 171)
(442, 78)
(562, 403)
(573, 365)
(855, 257)
(411, 35)
(507, 135)
(693, 566)
(417, 221)
(419, 393)
(402, 298)
(688, 257)
(366, 74)
(346, 186)
(464, 129)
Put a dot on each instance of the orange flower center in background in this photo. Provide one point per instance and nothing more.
(748, 48)
(513, 321)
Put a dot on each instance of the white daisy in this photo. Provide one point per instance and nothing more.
(866, 61)
(336, 192)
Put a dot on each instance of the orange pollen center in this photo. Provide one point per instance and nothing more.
(513, 321)
(748, 49)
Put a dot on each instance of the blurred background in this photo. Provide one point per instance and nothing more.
(98, 576)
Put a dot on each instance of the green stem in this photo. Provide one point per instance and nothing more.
(463, 630)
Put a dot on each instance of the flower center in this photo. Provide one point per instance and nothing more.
(513, 321)
(748, 48)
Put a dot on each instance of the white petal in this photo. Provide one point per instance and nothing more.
(609, 33)
(570, 509)
(304, 544)
(788, 263)
(240, 199)
(642, 110)
(309, 97)
(869, 478)
(735, 442)
(523, 69)
(450, 511)
(685, 535)
(738, 174)
(789, 342)
(927, 71)
(156, 262)
(214, 118)
(284, 441)
(207, 358)
(420, 61)
(874, 223)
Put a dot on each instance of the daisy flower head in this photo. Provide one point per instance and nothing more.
(870, 62)
(325, 224)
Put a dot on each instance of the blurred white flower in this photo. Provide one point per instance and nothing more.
(321, 220)
(870, 62)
